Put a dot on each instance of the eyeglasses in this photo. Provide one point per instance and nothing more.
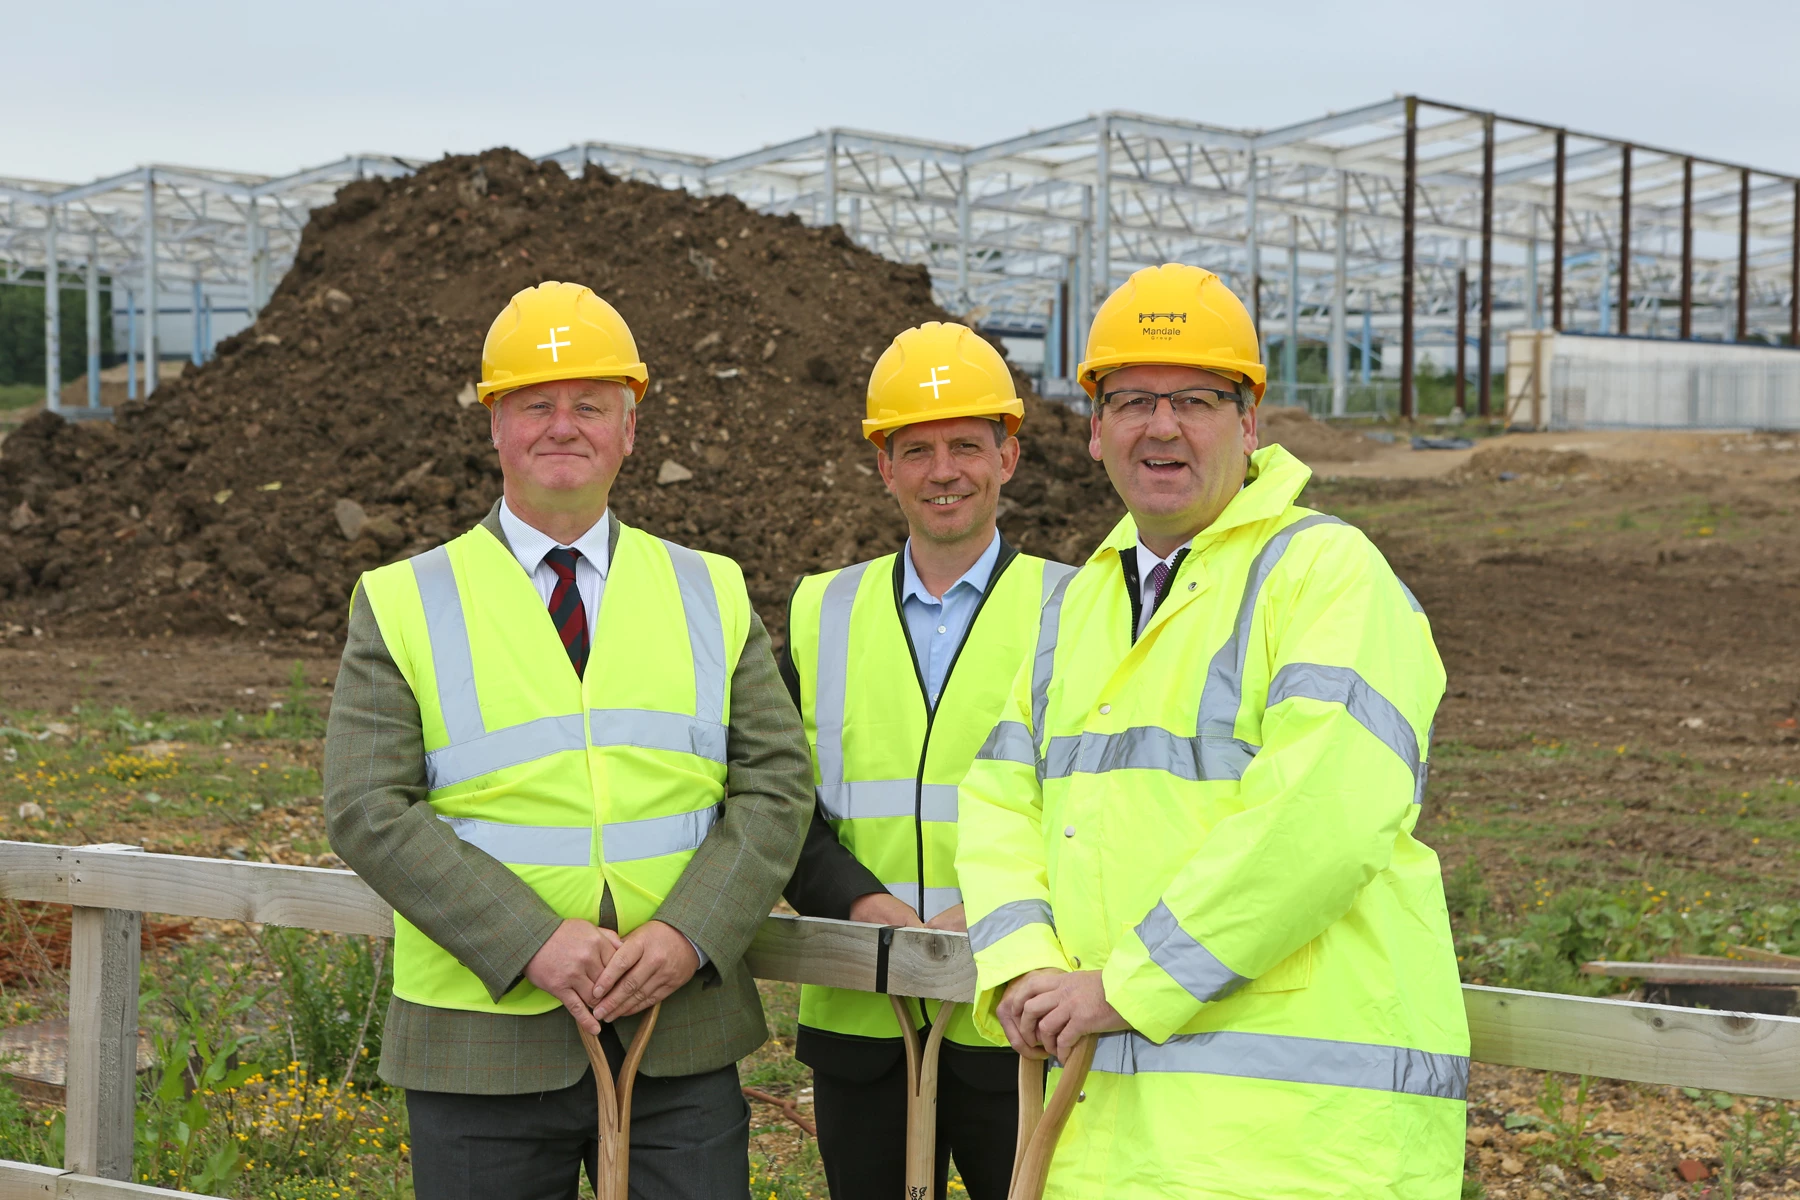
(1188, 404)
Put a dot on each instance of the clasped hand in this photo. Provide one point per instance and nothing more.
(1044, 1013)
(600, 976)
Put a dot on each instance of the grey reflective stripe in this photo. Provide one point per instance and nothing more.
(1188, 963)
(648, 729)
(1424, 765)
(1412, 601)
(1008, 919)
(1140, 748)
(833, 670)
(1372, 710)
(527, 845)
(1045, 658)
(862, 799)
(653, 837)
(933, 902)
(1222, 755)
(1289, 1060)
(488, 752)
(706, 631)
(1009, 742)
(1054, 574)
(451, 661)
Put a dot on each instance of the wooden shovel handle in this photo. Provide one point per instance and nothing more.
(615, 1107)
(921, 1097)
(1033, 1158)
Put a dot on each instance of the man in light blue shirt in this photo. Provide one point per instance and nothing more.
(937, 623)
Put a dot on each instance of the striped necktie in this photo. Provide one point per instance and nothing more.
(566, 609)
(1159, 579)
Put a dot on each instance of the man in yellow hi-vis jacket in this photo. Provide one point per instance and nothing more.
(1191, 832)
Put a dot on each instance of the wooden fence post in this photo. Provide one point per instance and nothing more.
(103, 1038)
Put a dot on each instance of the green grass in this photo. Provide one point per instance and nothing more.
(19, 395)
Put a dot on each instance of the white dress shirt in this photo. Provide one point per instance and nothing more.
(937, 624)
(530, 545)
(1146, 561)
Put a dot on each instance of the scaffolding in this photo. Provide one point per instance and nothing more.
(1412, 230)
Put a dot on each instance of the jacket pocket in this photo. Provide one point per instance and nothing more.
(1290, 974)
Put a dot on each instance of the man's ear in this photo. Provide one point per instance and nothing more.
(1248, 421)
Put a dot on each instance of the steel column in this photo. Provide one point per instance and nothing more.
(131, 352)
(828, 211)
(1340, 287)
(962, 241)
(1290, 349)
(1625, 239)
(1743, 283)
(1534, 308)
(198, 355)
(1687, 248)
(1253, 254)
(1794, 275)
(1556, 233)
(52, 315)
(1103, 219)
(150, 297)
(93, 320)
(1363, 367)
(1406, 257)
(257, 267)
(1462, 339)
(1485, 360)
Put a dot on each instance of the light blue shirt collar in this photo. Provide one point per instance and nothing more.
(977, 576)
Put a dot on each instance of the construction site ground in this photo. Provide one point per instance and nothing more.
(1614, 772)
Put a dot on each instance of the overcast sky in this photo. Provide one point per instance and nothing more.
(102, 86)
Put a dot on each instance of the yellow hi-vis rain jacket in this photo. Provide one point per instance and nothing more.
(1219, 818)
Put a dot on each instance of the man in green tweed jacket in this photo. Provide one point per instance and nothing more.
(502, 1103)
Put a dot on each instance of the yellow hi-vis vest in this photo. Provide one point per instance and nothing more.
(887, 763)
(574, 783)
(1219, 819)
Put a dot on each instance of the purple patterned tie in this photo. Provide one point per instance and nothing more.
(1159, 577)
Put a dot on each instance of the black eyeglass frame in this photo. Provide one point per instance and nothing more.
(1235, 396)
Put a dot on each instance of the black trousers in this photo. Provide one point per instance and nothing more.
(862, 1128)
(690, 1139)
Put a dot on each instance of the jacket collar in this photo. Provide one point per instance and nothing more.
(1272, 483)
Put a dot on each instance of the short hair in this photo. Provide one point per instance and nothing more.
(1001, 433)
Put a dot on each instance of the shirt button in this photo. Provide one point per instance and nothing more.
(1105, 708)
(943, 629)
(1068, 831)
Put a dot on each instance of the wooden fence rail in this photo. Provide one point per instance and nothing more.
(110, 886)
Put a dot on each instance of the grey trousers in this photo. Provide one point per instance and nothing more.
(690, 1139)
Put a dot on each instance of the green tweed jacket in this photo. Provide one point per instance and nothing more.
(493, 922)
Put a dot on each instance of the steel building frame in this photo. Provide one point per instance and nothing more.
(1412, 218)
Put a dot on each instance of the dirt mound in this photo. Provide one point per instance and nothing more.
(340, 431)
(1308, 440)
(1506, 463)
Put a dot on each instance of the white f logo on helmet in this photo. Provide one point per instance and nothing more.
(934, 383)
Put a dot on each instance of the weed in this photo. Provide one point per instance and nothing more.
(1473, 1188)
(1571, 1144)
(336, 991)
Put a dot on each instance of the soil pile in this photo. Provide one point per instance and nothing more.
(340, 431)
(1308, 440)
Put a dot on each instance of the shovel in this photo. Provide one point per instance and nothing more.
(615, 1108)
(1040, 1125)
(921, 1097)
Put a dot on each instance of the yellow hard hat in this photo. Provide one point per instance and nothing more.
(1175, 314)
(558, 331)
(937, 371)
